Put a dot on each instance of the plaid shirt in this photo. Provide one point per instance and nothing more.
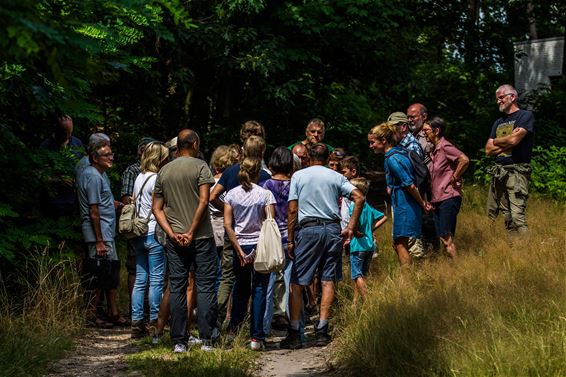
(410, 143)
(129, 178)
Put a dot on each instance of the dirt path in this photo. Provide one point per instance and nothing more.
(309, 361)
(98, 353)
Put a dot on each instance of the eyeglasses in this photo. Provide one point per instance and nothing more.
(501, 97)
(106, 155)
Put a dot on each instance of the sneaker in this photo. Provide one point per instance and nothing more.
(194, 341)
(152, 329)
(207, 347)
(257, 345)
(179, 348)
(321, 335)
(292, 340)
(138, 330)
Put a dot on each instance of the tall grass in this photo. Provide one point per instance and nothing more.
(38, 321)
(498, 310)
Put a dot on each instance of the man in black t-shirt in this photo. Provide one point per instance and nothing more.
(511, 143)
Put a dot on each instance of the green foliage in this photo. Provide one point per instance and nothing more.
(549, 171)
(548, 176)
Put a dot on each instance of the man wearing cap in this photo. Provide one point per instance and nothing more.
(407, 140)
(128, 179)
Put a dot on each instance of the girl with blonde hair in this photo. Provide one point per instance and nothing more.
(245, 208)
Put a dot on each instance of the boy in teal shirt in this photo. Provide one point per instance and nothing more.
(363, 246)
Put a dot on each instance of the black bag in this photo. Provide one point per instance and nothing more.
(422, 175)
(101, 273)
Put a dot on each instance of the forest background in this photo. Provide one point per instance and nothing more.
(133, 68)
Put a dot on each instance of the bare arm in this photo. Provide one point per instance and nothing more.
(215, 197)
(379, 223)
(157, 209)
(359, 200)
(493, 150)
(512, 140)
(463, 162)
(94, 215)
(417, 196)
(292, 217)
(228, 215)
(203, 196)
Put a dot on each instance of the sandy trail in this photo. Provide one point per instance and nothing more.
(97, 353)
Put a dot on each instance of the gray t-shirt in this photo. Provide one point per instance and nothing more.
(94, 188)
(317, 190)
(178, 184)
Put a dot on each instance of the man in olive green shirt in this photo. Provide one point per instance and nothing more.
(180, 206)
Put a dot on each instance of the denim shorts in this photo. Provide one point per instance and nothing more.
(445, 214)
(359, 263)
(318, 248)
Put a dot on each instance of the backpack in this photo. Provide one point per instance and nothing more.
(421, 173)
(130, 224)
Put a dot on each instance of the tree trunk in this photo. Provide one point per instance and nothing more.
(532, 21)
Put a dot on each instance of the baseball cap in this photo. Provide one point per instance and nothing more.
(397, 118)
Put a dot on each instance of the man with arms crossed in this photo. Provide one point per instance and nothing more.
(511, 142)
(180, 206)
(313, 201)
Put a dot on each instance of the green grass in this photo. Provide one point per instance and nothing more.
(498, 310)
(159, 361)
(37, 324)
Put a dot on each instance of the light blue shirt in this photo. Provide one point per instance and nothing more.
(94, 188)
(317, 190)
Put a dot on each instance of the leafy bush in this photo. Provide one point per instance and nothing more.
(549, 171)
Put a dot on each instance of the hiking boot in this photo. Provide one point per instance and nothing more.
(321, 335)
(292, 340)
(138, 330)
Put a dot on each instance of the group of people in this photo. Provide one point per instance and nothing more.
(204, 220)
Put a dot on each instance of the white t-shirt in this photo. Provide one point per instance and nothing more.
(143, 202)
(248, 209)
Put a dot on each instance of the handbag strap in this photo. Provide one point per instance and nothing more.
(140, 192)
(267, 213)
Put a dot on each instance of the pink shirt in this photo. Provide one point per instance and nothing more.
(444, 162)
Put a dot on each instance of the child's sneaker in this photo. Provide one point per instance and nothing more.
(179, 348)
(206, 346)
(257, 345)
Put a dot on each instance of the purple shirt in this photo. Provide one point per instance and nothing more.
(280, 189)
(444, 160)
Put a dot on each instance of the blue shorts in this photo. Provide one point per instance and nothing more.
(319, 247)
(445, 214)
(359, 263)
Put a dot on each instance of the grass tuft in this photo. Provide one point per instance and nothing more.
(37, 324)
(498, 310)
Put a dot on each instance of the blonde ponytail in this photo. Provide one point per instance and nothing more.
(249, 172)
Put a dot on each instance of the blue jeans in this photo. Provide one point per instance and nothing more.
(249, 282)
(270, 292)
(150, 261)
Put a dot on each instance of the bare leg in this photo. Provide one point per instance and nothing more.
(163, 311)
(295, 301)
(327, 299)
(111, 297)
(191, 297)
(400, 245)
(448, 242)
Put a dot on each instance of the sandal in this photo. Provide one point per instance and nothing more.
(120, 321)
(99, 323)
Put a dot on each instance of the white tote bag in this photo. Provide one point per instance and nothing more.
(269, 251)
